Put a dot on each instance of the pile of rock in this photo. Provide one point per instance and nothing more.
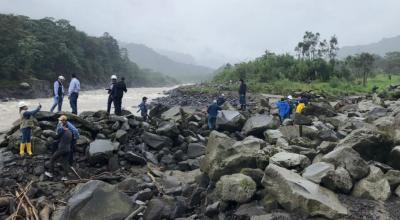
(173, 167)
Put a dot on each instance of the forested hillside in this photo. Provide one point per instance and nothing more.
(149, 58)
(315, 61)
(45, 48)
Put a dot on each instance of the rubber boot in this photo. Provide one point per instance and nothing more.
(22, 149)
(29, 148)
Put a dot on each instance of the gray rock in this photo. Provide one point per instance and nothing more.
(195, 150)
(250, 209)
(376, 113)
(294, 192)
(290, 160)
(255, 174)
(49, 133)
(338, 180)
(326, 147)
(273, 216)
(101, 150)
(121, 136)
(236, 187)
(156, 141)
(230, 120)
(39, 146)
(394, 157)
(393, 177)
(97, 200)
(350, 160)
(271, 136)
(173, 114)
(315, 172)
(134, 158)
(168, 129)
(371, 144)
(318, 109)
(161, 208)
(374, 186)
(300, 119)
(256, 125)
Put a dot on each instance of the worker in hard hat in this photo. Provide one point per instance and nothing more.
(111, 91)
(58, 91)
(212, 111)
(26, 125)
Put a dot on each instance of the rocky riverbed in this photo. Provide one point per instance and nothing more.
(344, 164)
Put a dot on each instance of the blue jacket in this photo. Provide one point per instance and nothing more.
(213, 110)
(58, 89)
(220, 100)
(143, 108)
(284, 108)
(71, 127)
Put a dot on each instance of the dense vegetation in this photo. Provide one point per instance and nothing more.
(315, 62)
(44, 48)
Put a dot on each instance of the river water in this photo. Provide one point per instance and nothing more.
(88, 101)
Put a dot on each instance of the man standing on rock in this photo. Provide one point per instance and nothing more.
(111, 90)
(212, 114)
(58, 92)
(73, 93)
(242, 95)
(119, 93)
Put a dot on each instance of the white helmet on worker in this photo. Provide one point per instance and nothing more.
(22, 104)
(113, 77)
(290, 97)
(61, 77)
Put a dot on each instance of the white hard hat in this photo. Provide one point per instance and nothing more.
(113, 77)
(61, 78)
(215, 101)
(222, 94)
(21, 104)
(290, 97)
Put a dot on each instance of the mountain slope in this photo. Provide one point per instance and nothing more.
(380, 48)
(146, 57)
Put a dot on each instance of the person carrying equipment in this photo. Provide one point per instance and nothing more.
(27, 123)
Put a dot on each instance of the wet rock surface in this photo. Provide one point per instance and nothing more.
(342, 165)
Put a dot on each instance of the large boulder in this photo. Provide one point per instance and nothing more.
(394, 157)
(195, 150)
(350, 160)
(370, 143)
(165, 207)
(393, 177)
(256, 125)
(374, 186)
(168, 129)
(237, 187)
(173, 114)
(338, 180)
(156, 141)
(290, 160)
(376, 113)
(230, 120)
(97, 200)
(300, 119)
(271, 136)
(225, 156)
(101, 150)
(121, 136)
(315, 172)
(318, 109)
(294, 192)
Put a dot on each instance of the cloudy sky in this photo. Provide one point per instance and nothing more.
(216, 31)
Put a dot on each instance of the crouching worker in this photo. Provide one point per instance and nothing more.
(212, 114)
(27, 123)
(143, 108)
(63, 122)
(64, 138)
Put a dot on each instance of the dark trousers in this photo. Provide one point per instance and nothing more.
(57, 102)
(117, 105)
(60, 155)
(242, 101)
(71, 153)
(211, 122)
(73, 101)
(109, 102)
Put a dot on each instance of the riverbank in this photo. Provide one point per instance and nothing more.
(343, 165)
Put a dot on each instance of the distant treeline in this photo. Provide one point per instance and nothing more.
(315, 60)
(45, 48)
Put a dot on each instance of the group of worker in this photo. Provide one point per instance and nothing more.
(286, 106)
(73, 93)
(66, 136)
